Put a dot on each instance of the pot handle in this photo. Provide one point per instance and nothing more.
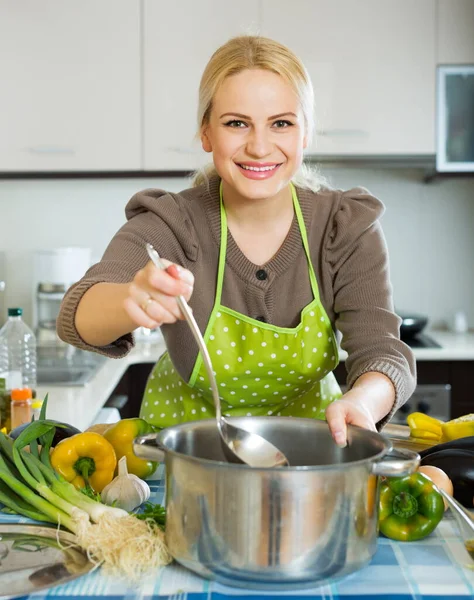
(148, 447)
(397, 463)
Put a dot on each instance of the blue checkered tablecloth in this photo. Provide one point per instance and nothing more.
(434, 568)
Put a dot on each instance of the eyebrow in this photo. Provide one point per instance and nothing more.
(233, 114)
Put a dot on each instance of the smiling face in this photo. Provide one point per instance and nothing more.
(256, 133)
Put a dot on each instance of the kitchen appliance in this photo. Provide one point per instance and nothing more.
(412, 324)
(278, 528)
(421, 341)
(411, 330)
(431, 399)
(54, 272)
(455, 118)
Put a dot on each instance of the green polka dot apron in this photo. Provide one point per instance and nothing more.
(260, 369)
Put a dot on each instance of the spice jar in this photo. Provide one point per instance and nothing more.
(20, 406)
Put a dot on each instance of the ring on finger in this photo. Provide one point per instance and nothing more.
(144, 305)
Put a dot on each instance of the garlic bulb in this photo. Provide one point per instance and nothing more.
(126, 491)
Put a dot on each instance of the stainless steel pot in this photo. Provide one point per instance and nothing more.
(281, 528)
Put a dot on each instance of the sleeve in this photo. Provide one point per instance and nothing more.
(363, 302)
(123, 257)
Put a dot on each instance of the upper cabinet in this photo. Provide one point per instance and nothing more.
(372, 64)
(179, 39)
(70, 79)
(113, 85)
(455, 31)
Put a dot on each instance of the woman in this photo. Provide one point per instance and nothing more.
(270, 259)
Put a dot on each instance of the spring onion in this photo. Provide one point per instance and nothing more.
(29, 486)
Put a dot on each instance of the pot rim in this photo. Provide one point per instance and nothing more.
(388, 447)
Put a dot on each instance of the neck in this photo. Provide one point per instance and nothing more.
(249, 213)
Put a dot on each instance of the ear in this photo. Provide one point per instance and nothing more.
(205, 141)
(305, 142)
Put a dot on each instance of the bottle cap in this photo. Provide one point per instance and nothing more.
(37, 404)
(21, 394)
(15, 312)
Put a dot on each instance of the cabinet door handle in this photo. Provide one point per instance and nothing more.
(50, 150)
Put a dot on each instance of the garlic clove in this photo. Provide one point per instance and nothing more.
(126, 491)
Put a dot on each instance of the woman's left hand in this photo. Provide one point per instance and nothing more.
(347, 410)
(368, 401)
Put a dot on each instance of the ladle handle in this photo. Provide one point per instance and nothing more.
(188, 315)
(458, 508)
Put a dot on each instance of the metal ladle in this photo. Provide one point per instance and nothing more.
(239, 445)
(463, 519)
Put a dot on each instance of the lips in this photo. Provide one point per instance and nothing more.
(258, 170)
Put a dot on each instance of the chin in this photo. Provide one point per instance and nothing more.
(256, 190)
(259, 189)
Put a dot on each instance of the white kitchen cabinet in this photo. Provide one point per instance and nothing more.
(70, 81)
(372, 63)
(455, 24)
(179, 39)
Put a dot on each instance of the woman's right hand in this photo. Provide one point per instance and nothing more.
(151, 299)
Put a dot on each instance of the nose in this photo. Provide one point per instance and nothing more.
(258, 143)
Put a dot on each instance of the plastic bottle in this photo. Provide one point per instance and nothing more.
(20, 406)
(17, 360)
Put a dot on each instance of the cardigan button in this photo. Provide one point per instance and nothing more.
(261, 275)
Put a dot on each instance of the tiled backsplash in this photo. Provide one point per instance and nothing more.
(429, 230)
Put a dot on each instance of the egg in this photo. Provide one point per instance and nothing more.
(439, 478)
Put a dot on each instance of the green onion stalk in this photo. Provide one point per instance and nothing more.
(32, 488)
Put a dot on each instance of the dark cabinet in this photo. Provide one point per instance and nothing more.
(132, 387)
(458, 374)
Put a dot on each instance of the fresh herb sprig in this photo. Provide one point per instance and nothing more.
(153, 512)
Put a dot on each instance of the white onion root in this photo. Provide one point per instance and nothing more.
(125, 546)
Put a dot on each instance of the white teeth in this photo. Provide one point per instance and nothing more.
(258, 168)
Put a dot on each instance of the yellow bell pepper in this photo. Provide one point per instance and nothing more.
(121, 436)
(425, 427)
(85, 459)
(458, 428)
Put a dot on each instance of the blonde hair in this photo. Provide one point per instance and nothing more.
(256, 52)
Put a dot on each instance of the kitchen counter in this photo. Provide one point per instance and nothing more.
(436, 568)
(454, 346)
(80, 405)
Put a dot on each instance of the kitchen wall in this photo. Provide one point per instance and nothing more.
(429, 230)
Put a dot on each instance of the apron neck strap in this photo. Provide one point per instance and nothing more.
(304, 237)
(223, 245)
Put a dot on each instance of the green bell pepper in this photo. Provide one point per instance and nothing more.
(409, 508)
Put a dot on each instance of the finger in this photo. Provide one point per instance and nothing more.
(164, 282)
(138, 315)
(178, 272)
(162, 308)
(336, 419)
